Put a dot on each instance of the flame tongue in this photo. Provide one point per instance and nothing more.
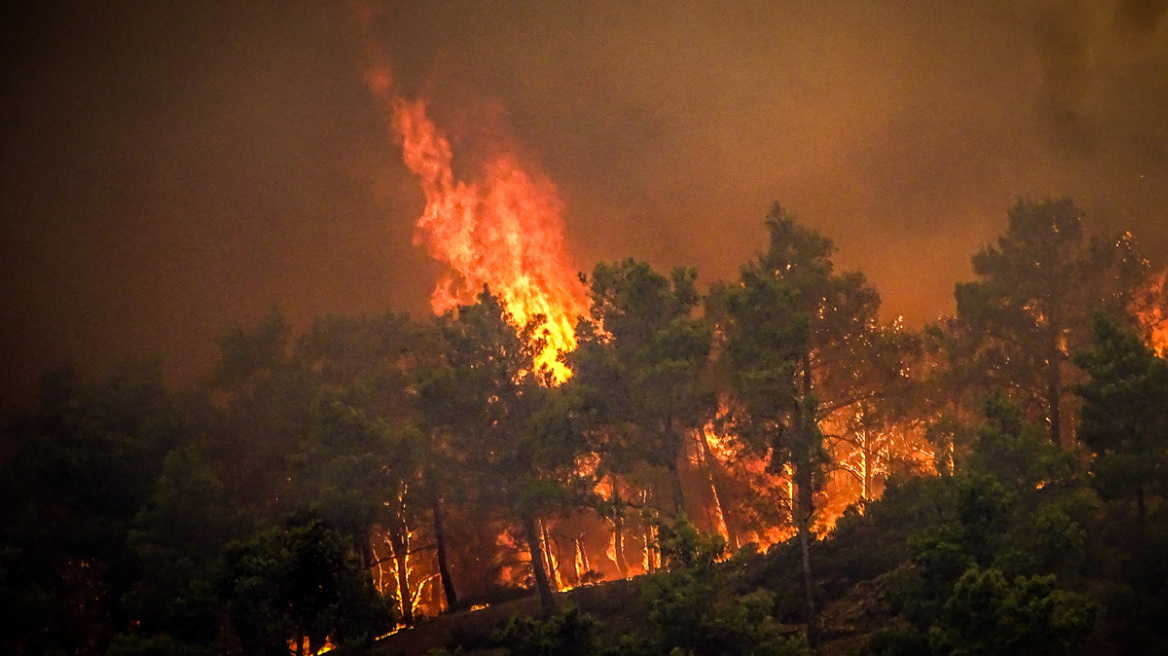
(503, 230)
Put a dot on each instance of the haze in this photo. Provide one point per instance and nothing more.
(168, 168)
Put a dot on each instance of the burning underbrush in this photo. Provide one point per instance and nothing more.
(728, 491)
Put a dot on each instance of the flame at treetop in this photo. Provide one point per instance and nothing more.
(1151, 309)
(503, 229)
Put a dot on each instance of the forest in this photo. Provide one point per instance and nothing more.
(742, 460)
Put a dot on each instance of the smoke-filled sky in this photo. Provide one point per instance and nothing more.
(167, 168)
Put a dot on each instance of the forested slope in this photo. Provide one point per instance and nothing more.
(773, 467)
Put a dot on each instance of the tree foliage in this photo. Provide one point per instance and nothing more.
(247, 513)
(1029, 309)
(639, 367)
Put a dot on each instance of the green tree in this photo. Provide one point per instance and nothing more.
(85, 461)
(567, 633)
(264, 399)
(296, 586)
(990, 616)
(697, 612)
(358, 472)
(178, 536)
(329, 421)
(1125, 414)
(1031, 305)
(638, 368)
(385, 466)
(503, 416)
(799, 345)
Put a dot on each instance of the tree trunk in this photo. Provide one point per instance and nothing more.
(803, 510)
(721, 524)
(808, 434)
(552, 567)
(399, 541)
(618, 540)
(368, 555)
(531, 532)
(673, 452)
(580, 561)
(440, 544)
(675, 488)
(649, 538)
(866, 463)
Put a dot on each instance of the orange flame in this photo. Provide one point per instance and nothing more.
(1151, 309)
(503, 229)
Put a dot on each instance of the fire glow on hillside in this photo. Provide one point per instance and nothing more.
(502, 228)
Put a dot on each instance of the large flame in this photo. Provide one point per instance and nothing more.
(502, 229)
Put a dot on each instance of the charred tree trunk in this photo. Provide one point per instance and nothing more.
(440, 546)
(648, 537)
(531, 533)
(552, 568)
(618, 537)
(675, 486)
(805, 505)
(399, 542)
(721, 522)
(652, 553)
(367, 553)
(803, 511)
(672, 453)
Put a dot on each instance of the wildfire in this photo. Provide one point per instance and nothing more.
(501, 226)
(1151, 308)
(502, 229)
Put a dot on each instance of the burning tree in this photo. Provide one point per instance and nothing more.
(501, 413)
(638, 388)
(797, 344)
(1030, 308)
(640, 362)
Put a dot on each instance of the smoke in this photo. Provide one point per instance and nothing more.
(170, 167)
(1087, 53)
(1062, 45)
(1139, 20)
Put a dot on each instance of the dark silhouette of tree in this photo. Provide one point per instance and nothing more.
(84, 462)
(178, 536)
(501, 415)
(989, 615)
(1031, 305)
(1125, 414)
(299, 585)
(365, 462)
(639, 364)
